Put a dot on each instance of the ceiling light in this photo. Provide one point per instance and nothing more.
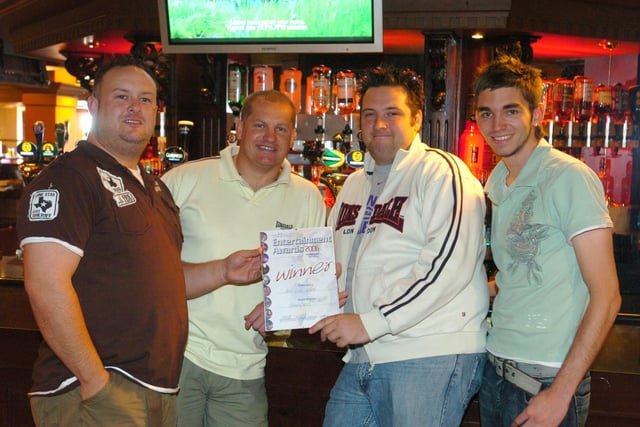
(90, 42)
(477, 35)
(608, 44)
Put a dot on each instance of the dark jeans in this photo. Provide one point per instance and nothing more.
(501, 402)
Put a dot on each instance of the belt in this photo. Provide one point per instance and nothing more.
(509, 370)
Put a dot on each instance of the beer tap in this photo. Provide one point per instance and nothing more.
(38, 132)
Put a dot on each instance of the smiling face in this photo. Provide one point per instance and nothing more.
(387, 122)
(265, 136)
(124, 111)
(507, 124)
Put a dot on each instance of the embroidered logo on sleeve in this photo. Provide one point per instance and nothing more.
(115, 185)
(43, 205)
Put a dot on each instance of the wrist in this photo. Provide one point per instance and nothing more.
(220, 272)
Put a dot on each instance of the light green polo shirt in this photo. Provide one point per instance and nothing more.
(542, 296)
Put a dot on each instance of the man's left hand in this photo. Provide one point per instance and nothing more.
(545, 410)
(255, 319)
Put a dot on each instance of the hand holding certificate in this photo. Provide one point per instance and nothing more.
(299, 277)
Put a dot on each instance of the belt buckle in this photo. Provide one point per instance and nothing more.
(498, 363)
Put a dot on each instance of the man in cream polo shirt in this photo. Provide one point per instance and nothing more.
(224, 203)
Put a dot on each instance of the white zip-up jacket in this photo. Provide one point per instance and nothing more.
(419, 282)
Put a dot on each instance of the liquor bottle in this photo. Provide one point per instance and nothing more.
(236, 88)
(619, 102)
(562, 99)
(602, 104)
(262, 78)
(582, 98)
(547, 99)
(320, 89)
(621, 113)
(291, 85)
(471, 149)
(602, 108)
(149, 159)
(345, 92)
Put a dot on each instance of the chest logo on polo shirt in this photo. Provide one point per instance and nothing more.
(115, 185)
(43, 205)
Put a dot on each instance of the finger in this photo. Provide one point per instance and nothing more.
(247, 323)
(258, 326)
(318, 326)
(252, 318)
(255, 323)
(342, 298)
(250, 253)
(312, 330)
(519, 421)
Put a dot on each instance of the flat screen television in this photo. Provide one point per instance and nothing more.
(265, 26)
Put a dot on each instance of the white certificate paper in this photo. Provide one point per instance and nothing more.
(298, 277)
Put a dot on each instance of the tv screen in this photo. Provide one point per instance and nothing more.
(263, 26)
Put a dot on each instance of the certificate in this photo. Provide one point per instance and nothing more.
(298, 277)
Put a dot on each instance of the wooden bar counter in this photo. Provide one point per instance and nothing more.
(301, 370)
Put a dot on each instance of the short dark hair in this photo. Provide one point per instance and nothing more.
(274, 96)
(389, 75)
(122, 61)
(508, 71)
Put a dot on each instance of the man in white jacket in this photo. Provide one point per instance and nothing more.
(409, 232)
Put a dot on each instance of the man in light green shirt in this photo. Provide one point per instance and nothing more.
(551, 240)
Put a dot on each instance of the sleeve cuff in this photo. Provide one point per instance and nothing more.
(375, 324)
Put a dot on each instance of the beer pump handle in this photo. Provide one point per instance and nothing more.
(38, 132)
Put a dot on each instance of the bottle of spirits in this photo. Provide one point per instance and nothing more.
(236, 87)
(291, 85)
(321, 89)
(262, 78)
(582, 98)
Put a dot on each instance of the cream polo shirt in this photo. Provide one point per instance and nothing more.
(221, 214)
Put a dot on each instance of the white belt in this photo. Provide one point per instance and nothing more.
(506, 369)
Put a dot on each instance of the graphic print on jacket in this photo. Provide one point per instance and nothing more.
(389, 213)
(348, 215)
(383, 213)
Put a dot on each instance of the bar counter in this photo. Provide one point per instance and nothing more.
(301, 370)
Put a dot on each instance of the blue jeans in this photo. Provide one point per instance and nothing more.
(501, 402)
(429, 392)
